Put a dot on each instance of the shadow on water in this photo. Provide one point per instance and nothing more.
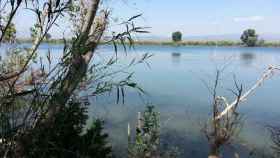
(247, 58)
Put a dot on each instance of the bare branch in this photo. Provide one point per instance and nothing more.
(267, 75)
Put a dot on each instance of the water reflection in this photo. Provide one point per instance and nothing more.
(176, 58)
(247, 58)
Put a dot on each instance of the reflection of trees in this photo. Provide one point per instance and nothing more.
(247, 58)
(176, 57)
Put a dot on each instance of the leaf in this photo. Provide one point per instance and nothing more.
(18, 2)
(12, 3)
(118, 95)
(123, 44)
(130, 40)
(129, 76)
(49, 57)
(134, 17)
(132, 62)
(115, 48)
(132, 84)
(49, 11)
(65, 45)
(122, 95)
(111, 62)
(57, 3)
(141, 31)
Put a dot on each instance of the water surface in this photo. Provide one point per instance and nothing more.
(177, 82)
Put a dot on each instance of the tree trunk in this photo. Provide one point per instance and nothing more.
(82, 54)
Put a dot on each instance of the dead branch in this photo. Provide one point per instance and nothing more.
(266, 75)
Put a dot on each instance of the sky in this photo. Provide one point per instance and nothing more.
(192, 17)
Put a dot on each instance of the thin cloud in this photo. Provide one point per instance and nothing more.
(248, 19)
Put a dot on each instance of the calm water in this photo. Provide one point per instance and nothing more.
(176, 83)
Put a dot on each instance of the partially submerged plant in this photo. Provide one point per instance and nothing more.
(147, 136)
(225, 122)
(220, 132)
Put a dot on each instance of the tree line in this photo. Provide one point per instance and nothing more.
(249, 38)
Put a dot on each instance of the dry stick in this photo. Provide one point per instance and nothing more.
(267, 75)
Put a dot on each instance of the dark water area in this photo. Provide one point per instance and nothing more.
(177, 81)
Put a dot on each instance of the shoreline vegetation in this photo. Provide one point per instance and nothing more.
(223, 43)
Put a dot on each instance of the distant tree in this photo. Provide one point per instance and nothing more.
(249, 37)
(261, 42)
(10, 34)
(177, 36)
(48, 36)
(34, 31)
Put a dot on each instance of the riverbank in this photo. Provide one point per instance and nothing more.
(226, 43)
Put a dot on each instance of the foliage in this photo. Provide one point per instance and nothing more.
(249, 37)
(177, 36)
(67, 137)
(146, 143)
(10, 35)
(34, 31)
(29, 109)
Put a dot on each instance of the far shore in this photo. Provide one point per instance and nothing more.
(226, 43)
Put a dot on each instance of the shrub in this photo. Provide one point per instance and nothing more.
(66, 137)
(146, 143)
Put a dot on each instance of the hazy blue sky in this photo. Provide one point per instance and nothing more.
(192, 17)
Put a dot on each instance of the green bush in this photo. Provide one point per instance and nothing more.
(66, 137)
(146, 143)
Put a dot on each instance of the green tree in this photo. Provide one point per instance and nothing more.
(177, 36)
(10, 35)
(28, 111)
(34, 31)
(249, 37)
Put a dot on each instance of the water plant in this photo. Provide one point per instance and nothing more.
(146, 142)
